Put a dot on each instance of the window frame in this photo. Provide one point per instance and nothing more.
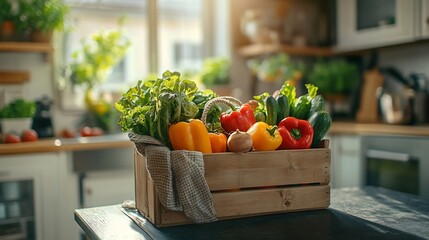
(67, 104)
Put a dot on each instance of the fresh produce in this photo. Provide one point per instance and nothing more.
(317, 104)
(29, 135)
(18, 108)
(67, 133)
(295, 133)
(299, 107)
(282, 107)
(152, 106)
(241, 119)
(302, 107)
(321, 122)
(12, 138)
(265, 137)
(240, 142)
(218, 142)
(271, 110)
(192, 136)
(86, 132)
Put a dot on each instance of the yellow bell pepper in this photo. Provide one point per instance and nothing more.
(265, 137)
(192, 136)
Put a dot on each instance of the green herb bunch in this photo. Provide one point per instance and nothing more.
(334, 77)
(152, 106)
(18, 108)
(215, 72)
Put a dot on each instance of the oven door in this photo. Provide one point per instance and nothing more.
(393, 170)
(397, 162)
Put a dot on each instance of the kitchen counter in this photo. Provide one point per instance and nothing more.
(378, 129)
(354, 213)
(121, 139)
(68, 144)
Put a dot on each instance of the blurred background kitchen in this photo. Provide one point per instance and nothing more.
(74, 58)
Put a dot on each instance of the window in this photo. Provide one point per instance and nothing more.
(178, 44)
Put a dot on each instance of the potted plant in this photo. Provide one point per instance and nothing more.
(17, 115)
(215, 74)
(91, 65)
(336, 79)
(43, 17)
(7, 21)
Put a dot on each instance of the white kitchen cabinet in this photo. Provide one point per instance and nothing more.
(346, 163)
(363, 24)
(108, 188)
(51, 191)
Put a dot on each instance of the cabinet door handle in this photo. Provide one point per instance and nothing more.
(387, 155)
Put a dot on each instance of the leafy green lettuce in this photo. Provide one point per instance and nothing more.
(152, 106)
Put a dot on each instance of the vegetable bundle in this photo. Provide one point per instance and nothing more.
(152, 106)
(179, 115)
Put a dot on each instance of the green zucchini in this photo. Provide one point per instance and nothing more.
(317, 104)
(321, 122)
(282, 107)
(271, 110)
(302, 107)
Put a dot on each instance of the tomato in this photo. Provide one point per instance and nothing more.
(29, 135)
(96, 131)
(67, 133)
(12, 138)
(86, 131)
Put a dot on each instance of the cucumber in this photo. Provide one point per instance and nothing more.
(317, 104)
(282, 107)
(271, 110)
(302, 107)
(321, 122)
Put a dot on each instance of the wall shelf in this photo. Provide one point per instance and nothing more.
(255, 50)
(26, 47)
(14, 77)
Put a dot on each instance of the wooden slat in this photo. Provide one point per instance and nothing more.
(256, 202)
(255, 169)
(14, 77)
(247, 203)
(140, 177)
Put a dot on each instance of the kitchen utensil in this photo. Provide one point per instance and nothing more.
(42, 122)
(368, 109)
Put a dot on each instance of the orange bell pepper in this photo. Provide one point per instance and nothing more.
(265, 137)
(192, 136)
(218, 142)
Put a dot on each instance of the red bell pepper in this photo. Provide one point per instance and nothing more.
(241, 119)
(296, 133)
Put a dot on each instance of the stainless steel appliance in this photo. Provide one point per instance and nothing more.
(397, 162)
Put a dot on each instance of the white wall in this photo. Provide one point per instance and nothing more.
(407, 58)
(41, 83)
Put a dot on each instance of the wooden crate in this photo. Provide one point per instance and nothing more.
(248, 184)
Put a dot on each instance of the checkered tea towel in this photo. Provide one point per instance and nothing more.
(178, 177)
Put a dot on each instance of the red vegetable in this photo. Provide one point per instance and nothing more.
(241, 119)
(296, 133)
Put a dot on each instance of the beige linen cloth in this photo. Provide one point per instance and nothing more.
(178, 177)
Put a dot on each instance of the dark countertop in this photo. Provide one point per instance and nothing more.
(355, 213)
